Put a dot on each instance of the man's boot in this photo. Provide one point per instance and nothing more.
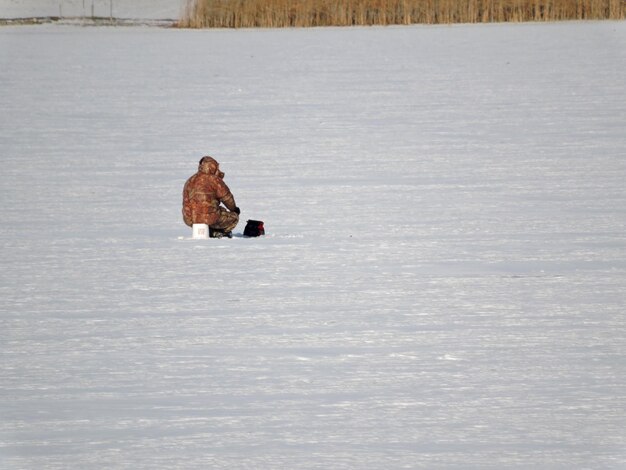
(219, 233)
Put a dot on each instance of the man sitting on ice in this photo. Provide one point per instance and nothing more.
(202, 195)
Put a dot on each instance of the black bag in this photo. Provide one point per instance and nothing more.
(254, 228)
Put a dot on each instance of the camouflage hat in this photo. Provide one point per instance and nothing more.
(208, 165)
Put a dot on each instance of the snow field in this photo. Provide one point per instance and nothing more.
(138, 9)
(442, 283)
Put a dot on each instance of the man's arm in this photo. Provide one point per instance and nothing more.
(226, 197)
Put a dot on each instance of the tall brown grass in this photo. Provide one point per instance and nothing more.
(295, 13)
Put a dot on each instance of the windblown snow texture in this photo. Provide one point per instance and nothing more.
(442, 280)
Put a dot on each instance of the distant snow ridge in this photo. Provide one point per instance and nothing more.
(135, 9)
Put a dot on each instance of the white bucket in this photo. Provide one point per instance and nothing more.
(200, 231)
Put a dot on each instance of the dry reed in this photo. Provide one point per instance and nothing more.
(302, 13)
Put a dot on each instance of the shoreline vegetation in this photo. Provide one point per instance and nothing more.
(87, 21)
(312, 13)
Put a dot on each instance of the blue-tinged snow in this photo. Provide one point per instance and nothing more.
(443, 283)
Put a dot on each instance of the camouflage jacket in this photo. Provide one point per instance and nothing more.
(202, 195)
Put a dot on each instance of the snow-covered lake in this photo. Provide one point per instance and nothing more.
(443, 283)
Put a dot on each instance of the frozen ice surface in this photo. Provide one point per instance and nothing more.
(442, 285)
